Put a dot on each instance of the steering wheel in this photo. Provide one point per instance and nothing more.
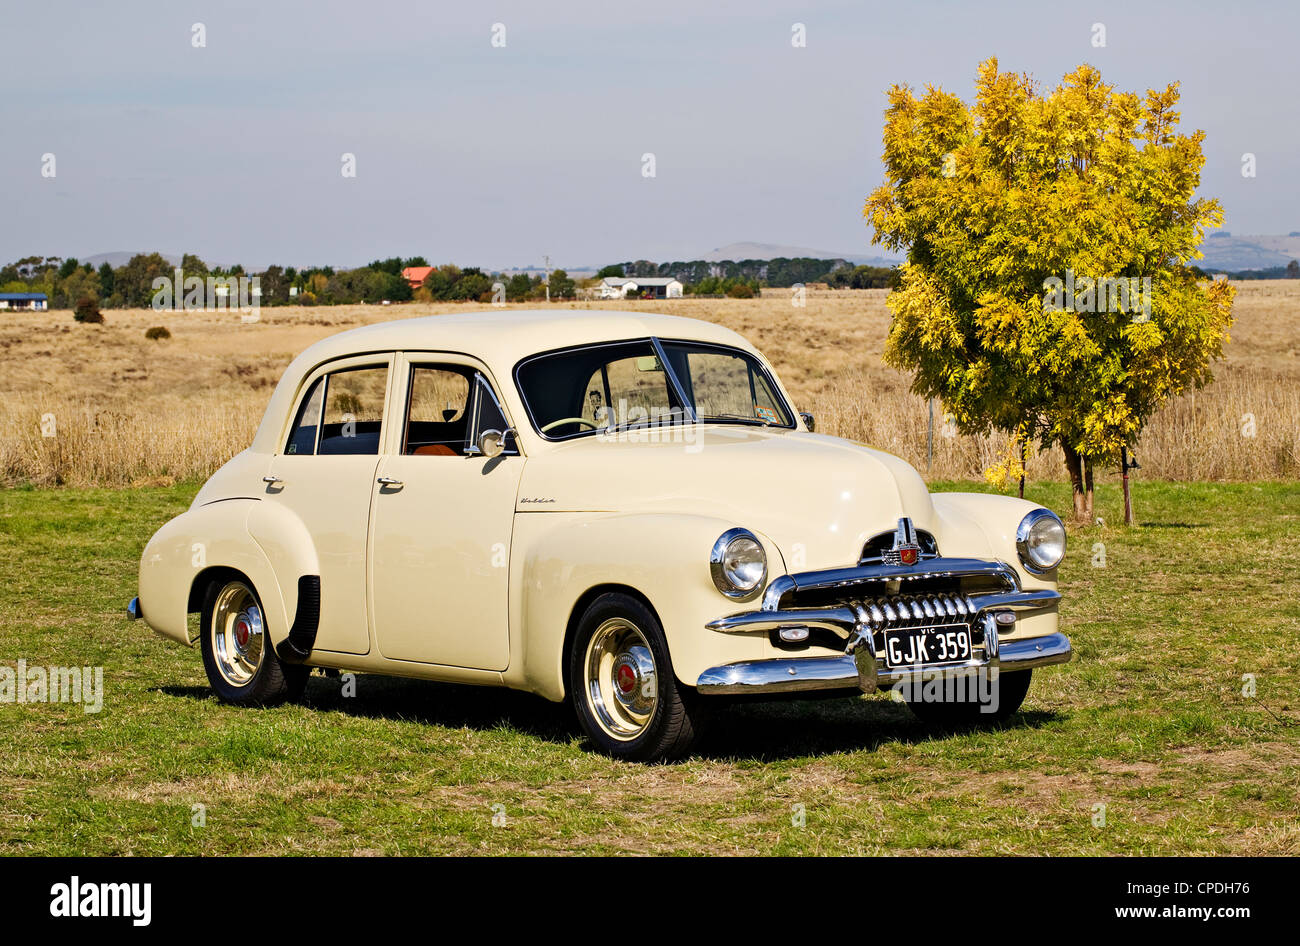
(570, 420)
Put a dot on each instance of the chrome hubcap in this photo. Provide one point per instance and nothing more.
(622, 689)
(237, 633)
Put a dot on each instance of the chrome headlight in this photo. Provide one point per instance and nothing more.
(1040, 540)
(738, 564)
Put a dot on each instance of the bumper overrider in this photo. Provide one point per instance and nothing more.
(856, 605)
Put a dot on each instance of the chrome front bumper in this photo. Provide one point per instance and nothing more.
(862, 614)
(795, 674)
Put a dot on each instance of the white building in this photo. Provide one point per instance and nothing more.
(23, 300)
(650, 287)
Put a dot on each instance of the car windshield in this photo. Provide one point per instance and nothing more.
(624, 385)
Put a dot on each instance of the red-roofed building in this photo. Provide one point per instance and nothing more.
(416, 275)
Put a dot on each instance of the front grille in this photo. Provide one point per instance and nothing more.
(898, 612)
(942, 591)
(895, 611)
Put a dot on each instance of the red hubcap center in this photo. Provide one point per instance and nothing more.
(626, 678)
(241, 632)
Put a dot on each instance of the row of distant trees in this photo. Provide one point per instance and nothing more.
(705, 276)
(66, 282)
(1290, 271)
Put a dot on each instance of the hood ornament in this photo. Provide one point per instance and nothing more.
(906, 550)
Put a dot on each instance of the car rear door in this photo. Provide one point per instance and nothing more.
(325, 474)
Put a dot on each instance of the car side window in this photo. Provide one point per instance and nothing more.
(623, 386)
(302, 439)
(354, 411)
(437, 411)
(342, 413)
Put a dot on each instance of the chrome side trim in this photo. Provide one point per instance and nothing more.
(1018, 600)
(778, 589)
(840, 620)
(133, 612)
(791, 675)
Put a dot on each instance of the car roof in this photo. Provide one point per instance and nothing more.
(500, 338)
(503, 337)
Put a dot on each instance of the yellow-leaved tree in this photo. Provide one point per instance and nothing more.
(1048, 291)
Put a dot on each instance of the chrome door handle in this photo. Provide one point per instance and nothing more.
(272, 479)
(390, 481)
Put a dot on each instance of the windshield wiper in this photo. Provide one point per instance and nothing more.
(743, 418)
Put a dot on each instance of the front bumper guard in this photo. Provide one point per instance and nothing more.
(860, 667)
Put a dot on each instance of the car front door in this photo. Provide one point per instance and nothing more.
(325, 474)
(442, 521)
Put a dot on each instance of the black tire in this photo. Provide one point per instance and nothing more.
(672, 722)
(995, 703)
(273, 682)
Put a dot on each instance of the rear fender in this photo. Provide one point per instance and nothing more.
(201, 543)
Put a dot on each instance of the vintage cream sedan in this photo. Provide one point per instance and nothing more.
(619, 509)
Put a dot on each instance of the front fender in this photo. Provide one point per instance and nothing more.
(558, 558)
(983, 525)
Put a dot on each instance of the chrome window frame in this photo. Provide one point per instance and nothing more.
(482, 384)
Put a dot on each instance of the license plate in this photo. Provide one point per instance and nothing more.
(911, 646)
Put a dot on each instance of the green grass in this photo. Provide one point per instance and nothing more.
(1149, 721)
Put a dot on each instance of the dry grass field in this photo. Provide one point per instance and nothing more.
(1151, 726)
(130, 411)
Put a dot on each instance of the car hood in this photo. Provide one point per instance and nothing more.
(818, 498)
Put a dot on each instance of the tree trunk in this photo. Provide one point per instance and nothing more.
(1087, 486)
(1074, 468)
(1024, 458)
(1128, 496)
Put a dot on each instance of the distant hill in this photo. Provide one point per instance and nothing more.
(1227, 252)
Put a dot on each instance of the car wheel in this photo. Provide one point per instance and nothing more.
(622, 684)
(995, 702)
(237, 654)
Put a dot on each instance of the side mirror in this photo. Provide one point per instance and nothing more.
(491, 443)
(808, 420)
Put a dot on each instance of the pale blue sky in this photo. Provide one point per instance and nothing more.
(494, 156)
